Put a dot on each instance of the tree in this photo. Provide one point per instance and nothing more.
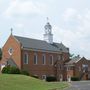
(0, 53)
(72, 55)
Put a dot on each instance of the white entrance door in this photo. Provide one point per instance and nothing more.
(68, 78)
(43, 77)
(61, 77)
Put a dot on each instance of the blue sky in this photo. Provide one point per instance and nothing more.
(70, 20)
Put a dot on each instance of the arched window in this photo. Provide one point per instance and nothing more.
(35, 59)
(25, 60)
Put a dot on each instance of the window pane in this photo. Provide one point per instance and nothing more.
(25, 58)
(59, 57)
(35, 58)
(43, 59)
(44, 77)
(51, 60)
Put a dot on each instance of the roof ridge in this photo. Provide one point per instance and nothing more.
(28, 38)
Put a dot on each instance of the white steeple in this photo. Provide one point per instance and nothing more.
(48, 36)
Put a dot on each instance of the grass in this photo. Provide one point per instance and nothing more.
(21, 82)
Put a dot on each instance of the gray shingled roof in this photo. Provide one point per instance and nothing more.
(74, 60)
(61, 47)
(40, 44)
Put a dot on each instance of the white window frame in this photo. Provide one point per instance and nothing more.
(43, 77)
(51, 56)
(44, 59)
(61, 77)
(59, 57)
(84, 65)
(10, 51)
(27, 58)
(35, 59)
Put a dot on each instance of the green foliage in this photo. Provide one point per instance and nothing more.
(72, 55)
(10, 70)
(24, 73)
(14, 70)
(0, 54)
(6, 70)
(74, 79)
(51, 78)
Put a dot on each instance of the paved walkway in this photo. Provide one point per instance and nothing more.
(80, 85)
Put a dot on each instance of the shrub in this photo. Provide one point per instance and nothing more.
(6, 70)
(24, 73)
(14, 70)
(10, 70)
(74, 79)
(51, 78)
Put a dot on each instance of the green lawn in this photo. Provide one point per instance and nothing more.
(21, 82)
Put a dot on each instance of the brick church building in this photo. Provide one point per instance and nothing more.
(43, 58)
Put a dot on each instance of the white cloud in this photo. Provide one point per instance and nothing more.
(18, 7)
(19, 25)
(78, 38)
(65, 36)
(69, 13)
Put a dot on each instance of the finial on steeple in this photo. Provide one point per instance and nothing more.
(11, 31)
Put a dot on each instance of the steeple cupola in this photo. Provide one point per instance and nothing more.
(48, 28)
(48, 36)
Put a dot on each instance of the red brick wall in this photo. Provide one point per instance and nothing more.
(39, 69)
(16, 56)
(79, 64)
